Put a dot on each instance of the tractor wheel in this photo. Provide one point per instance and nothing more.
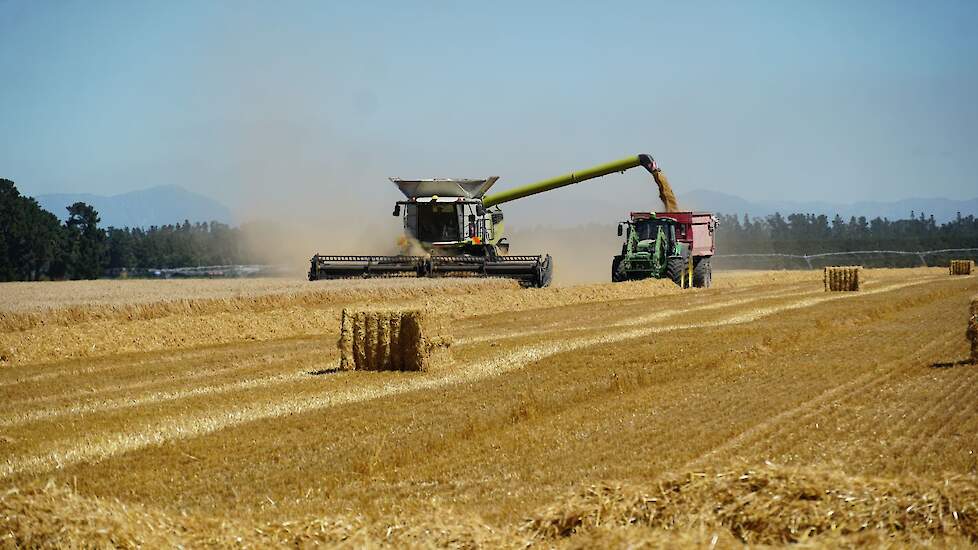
(616, 275)
(676, 270)
(702, 272)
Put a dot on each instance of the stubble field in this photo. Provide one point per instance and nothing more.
(763, 411)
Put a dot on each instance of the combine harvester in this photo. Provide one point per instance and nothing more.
(458, 230)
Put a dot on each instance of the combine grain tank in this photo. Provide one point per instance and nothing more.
(452, 228)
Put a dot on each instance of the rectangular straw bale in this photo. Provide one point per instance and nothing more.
(973, 330)
(961, 267)
(384, 340)
(842, 278)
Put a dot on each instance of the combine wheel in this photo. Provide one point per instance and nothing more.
(702, 272)
(616, 274)
(676, 270)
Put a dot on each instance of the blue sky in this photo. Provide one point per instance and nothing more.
(276, 105)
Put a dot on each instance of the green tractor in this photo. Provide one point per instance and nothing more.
(667, 245)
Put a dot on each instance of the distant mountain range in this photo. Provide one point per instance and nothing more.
(942, 209)
(160, 205)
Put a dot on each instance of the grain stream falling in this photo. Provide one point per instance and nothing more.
(666, 195)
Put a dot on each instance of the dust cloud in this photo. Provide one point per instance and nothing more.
(284, 141)
(581, 254)
(302, 190)
(290, 243)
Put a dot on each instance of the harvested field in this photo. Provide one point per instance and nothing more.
(763, 410)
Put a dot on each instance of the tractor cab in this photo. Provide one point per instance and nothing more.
(647, 231)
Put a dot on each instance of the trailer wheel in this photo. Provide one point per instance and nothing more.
(676, 270)
(702, 272)
(616, 275)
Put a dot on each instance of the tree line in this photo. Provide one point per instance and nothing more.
(807, 234)
(36, 245)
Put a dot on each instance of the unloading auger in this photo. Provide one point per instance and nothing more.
(460, 230)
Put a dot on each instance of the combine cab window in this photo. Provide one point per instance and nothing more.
(437, 222)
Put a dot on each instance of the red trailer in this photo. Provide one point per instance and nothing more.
(693, 228)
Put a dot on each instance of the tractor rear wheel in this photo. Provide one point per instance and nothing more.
(702, 272)
(616, 275)
(676, 270)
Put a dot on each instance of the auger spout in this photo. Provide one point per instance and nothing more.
(567, 179)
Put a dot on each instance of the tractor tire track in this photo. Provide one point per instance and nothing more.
(780, 424)
(635, 321)
(160, 359)
(150, 399)
(912, 425)
(909, 427)
(256, 361)
(966, 393)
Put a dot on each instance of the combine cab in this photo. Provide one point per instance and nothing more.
(451, 228)
(673, 245)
